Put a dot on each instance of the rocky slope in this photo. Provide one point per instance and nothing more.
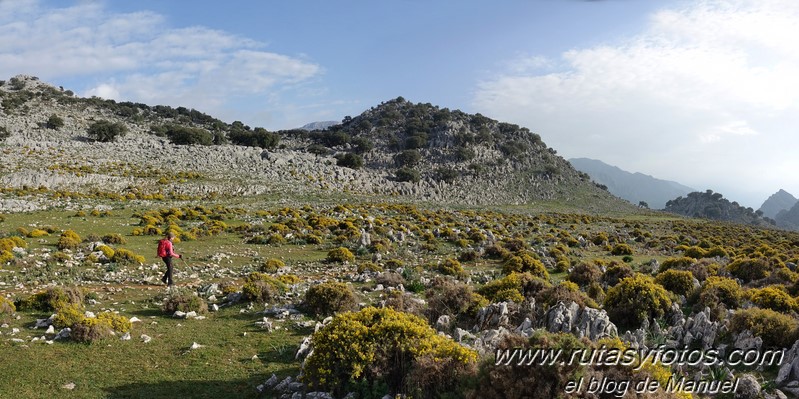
(634, 187)
(410, 151)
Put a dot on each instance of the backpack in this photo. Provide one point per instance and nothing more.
(162, 245)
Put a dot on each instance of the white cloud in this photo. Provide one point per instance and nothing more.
(707, 95)
(139, 57)
(104, 91)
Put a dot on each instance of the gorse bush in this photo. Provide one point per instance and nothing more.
(584, 274)
(68, 315)
(634, 300)
(118, 322)
(453, 298)
(68, 240)
(340, 255)
(89, 330)
(749, 269)
(124, 256)
(621, 249)
(777, 330)
(271, 265)
(680, 282)
(451, 267)
(262, 287)
(6, 307)
(328, 298)
(377, 349)
(525, 263)
(720, 290)
(52, 299)
(773, 298)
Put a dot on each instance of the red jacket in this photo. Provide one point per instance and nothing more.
(165, 249)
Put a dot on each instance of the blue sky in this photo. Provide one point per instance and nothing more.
(702, 92)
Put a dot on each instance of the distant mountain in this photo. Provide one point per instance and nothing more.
(779, 201)
(633, 187)
(788, 218)
(319, 125)
(710, 205)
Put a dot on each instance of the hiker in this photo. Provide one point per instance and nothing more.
(166, 252)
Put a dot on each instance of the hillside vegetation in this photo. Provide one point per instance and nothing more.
(404, 252)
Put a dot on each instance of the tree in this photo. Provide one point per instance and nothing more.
(349, 160)
(54, 122)
(643, 204)
(106, 131)
(407, 158)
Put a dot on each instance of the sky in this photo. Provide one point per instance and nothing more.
(702, 92)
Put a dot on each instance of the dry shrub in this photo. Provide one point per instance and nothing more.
(91, 330)
(261, 287)
(390, 279)
(453, 298)
(327, 298)
(184, 300)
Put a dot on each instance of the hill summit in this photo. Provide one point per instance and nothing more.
(779, 201)
(395, 149)
(710, 205)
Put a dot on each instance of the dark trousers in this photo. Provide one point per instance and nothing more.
(167, 279)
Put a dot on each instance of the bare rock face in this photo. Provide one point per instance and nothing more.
(789, 370)
(697, 329)
(582, 322)
(493, 316)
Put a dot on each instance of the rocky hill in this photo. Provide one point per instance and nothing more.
(634, 187)
(710, 205)
(394, 150)
(318, 125)
(779, 201)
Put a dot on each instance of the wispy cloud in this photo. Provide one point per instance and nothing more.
(138, 56)
(707, 93)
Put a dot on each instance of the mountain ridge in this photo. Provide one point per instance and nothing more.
(396, 149)
(631, 186)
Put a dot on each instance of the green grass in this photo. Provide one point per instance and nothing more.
(163, 368)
